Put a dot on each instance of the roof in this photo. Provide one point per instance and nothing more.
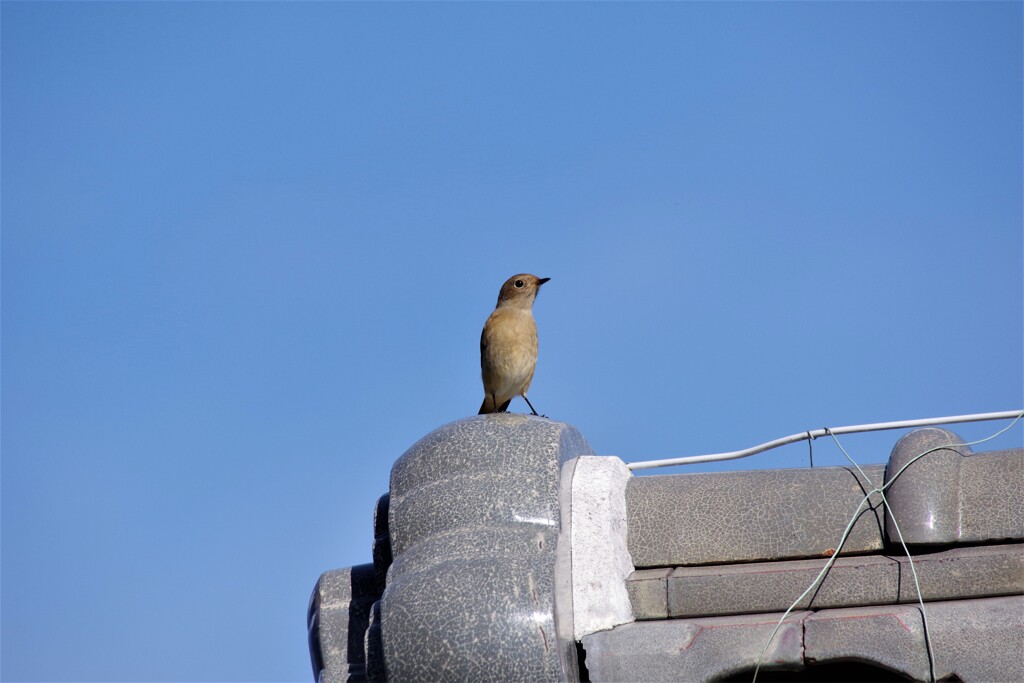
(506, 550)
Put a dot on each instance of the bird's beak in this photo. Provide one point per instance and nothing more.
(542, 280)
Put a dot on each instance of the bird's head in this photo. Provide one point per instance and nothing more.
(520, 290)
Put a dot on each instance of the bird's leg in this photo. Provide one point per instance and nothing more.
(530, 404)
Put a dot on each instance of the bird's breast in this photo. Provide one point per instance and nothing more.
(508, 348)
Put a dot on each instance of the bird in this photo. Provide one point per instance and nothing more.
(508, 344)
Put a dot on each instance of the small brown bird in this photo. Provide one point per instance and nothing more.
(508, 344)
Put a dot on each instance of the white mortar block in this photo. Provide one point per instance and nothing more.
(600, 557)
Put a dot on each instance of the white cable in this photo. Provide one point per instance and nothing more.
(815, 433)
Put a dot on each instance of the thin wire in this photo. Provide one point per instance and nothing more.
(849, 527)
(920, 598)
(953, 445)
(913, 570)
(817, 579)
(862, 473)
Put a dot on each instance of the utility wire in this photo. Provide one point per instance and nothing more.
(814, 433)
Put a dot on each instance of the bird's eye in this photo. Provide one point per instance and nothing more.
(518, 284)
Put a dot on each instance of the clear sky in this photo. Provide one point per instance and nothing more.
(248, 250)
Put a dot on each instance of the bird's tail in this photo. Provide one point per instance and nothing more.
(488, 406)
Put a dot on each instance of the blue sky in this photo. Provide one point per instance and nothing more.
(248, 250)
